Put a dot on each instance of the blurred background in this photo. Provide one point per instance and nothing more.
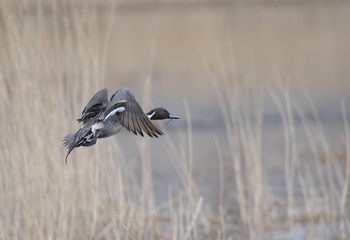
(262, 146)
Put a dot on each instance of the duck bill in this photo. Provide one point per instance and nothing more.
(173, 116)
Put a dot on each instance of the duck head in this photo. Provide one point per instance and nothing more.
(160, 114)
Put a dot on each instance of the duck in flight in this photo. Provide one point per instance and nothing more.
(102, 118)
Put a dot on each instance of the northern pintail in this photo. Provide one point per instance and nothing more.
(102, 118)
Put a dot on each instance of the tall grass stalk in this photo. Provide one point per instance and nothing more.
(344, 227)
(52, 62)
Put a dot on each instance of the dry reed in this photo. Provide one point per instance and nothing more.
(47, 79)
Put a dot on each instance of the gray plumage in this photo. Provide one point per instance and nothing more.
(97, 104)
(103, 118)
(133, 118)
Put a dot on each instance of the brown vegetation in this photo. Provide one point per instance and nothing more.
(53, 60)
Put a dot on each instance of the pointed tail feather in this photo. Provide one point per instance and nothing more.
(84, 137)
(69, 143)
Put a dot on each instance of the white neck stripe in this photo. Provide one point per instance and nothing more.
(151, 115)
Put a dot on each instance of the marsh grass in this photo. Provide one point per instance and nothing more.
(321, 178)
(45, 80)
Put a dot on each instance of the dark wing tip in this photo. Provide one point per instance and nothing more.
(135, 120)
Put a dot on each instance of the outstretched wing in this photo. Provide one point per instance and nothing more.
(95, 106)
(130, 114)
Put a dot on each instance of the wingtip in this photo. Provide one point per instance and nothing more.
(141, 133)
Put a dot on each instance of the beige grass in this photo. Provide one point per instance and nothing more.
(45, 80)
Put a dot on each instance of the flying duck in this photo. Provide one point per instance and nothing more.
(102, 118)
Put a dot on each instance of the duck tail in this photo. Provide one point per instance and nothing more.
(69, 143)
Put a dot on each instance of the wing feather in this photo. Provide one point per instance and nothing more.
(133, 118)
(136, 124)
(95, 106)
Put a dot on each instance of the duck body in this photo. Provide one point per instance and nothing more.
(102, 118)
